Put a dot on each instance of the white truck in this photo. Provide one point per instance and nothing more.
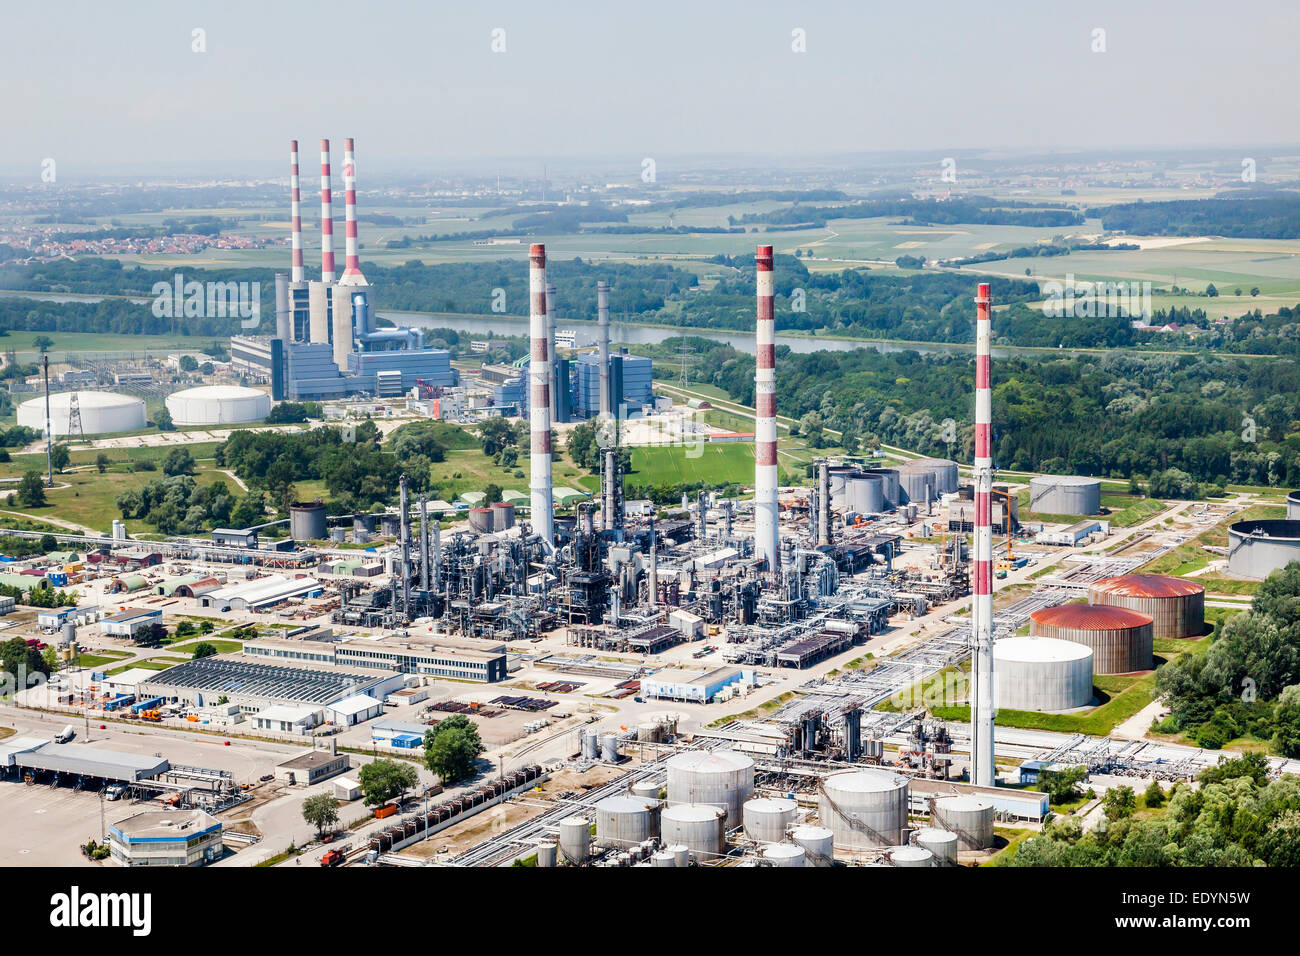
(64, 735)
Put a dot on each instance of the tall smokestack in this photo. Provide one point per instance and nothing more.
(550, 341)
(602, 318)
(295, 214)
(653, 585)
(824, 502)
(539, 410)
(983, 772)
(424, 546)
(351, 262)
(283, 314)
(326, 216)
(767, 535)
(405, 504)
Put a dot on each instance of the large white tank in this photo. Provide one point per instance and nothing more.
(218, 405)
(1041, 674)
(767, 818)
(719, 778)
(575, 840)
(784, 854)
(941, 843)
(102, 413)
(697, 827)
(818, 844)
(625, 821)
(864, 808)
(971, 818)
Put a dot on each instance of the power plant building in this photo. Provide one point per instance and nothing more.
(629, 377)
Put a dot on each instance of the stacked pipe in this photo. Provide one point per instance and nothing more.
(602, 318)
(653, 587)
(539, 372)
(352, 261)
(983, 772)
(295, 213)
(326, 216)
(767, 535)
(405, 504)
(283, 314)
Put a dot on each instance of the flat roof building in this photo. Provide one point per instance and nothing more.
(166, 838)
(254, 686)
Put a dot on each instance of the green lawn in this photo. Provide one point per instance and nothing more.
(714, 465)
(222, 646)
(99, 660)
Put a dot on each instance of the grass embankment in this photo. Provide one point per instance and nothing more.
(1191, 555)
(1122, 511)
(764, 708)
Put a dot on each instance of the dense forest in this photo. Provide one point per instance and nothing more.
(1110, 415)
(1271, 217)
(1248, 682)
(1237, 817)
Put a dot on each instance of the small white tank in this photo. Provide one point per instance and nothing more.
(784, 854)
(818, 844)
(767, 819)
(912, 856)
(941, 843)
(575, 840)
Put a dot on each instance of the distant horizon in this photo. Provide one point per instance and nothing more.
(219, 88)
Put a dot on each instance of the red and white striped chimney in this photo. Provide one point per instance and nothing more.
(983, 772)
(352, 262)
(539, 407)
(295, 213)
(326, 216)
(767, 535)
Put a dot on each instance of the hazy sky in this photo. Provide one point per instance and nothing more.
(102, 86)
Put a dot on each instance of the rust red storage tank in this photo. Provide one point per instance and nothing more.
(1121, 640)
(1176, 606)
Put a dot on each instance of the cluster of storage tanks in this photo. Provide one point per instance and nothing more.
(712, 792)
(876, 490)
(499, 517)
(925, 479)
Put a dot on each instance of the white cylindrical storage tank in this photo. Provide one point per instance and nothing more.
(626, 821)
(590, 745)
(970, 818)
(546, 854)
(866, 494)
(719, 778)
(609, 748)
(911, 856)
(916, 484)
(102, 413)
(768, 818)
(663, 859)
(941, 843)
(889, 485)
(1293, 506)
(1041, 674)
(1065, 495)
(697, 827)
(864, 808)
(648, 732)
(575, 840)
(647, 789)
(838, 477)
(784, 854)
(218, 405)
(818, 843)
(681, 854)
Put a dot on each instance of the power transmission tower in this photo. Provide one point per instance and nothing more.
(685, 352)
(74, 418)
